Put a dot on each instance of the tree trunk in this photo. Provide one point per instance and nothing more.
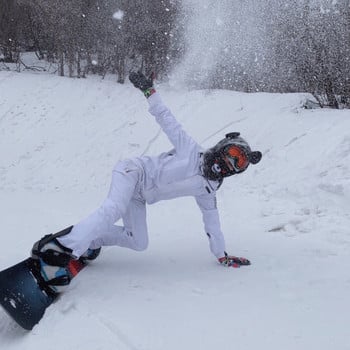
(121, 69)
(71, 62)
(78, 65)
(332, 99)
(61, 63)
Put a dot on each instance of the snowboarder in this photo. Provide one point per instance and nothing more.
(187, 170)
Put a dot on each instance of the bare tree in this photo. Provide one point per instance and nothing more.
(9, 31)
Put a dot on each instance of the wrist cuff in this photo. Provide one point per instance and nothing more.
(149, 92)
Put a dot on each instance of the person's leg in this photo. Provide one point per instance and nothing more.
(132, 235)
(77, 240)
(124, 181)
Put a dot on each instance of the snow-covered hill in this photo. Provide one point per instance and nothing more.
(59, 139)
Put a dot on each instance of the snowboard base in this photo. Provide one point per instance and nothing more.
(24, 294)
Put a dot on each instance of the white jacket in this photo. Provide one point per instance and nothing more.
(178, 173)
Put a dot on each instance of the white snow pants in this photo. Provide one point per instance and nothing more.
(123, 202)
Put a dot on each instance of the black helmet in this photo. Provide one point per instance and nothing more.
(230, 156)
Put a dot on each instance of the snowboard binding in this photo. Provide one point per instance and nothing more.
(55, 263)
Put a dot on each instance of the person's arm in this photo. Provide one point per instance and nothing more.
(212, 227)
(171, 127)
(211, 220)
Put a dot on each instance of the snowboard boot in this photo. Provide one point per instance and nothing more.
(90, 254)
(52, 260)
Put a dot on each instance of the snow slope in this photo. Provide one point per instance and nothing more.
(59, 139)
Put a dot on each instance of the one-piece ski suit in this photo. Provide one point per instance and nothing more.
(142, 180)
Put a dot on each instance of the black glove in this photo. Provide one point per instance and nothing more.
(139, 80)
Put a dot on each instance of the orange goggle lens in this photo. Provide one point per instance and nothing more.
(238, 156)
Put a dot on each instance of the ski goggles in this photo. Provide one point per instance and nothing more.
(235, 158)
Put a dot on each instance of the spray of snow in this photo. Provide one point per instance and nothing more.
(217, 31)
(118, 15)
(204, 33)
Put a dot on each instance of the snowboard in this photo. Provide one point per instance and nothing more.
(24, 294)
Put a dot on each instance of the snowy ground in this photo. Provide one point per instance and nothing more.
(59, 139)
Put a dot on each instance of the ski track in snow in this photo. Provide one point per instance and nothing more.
(60, 139)
(220, 131)
(117, 332)
(151, 142)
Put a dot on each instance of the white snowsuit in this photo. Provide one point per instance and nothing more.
(138, 181)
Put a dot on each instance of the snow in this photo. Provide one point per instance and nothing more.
(289, 214)
(119, 15)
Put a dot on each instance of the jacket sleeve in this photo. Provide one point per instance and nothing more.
(211, 220)
(181, 141)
